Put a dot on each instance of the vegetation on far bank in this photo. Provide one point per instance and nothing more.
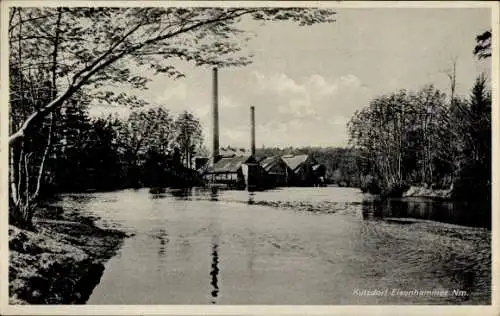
(420, 139)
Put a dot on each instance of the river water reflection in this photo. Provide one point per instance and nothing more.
(291, 246)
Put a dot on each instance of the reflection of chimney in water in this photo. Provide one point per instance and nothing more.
(215, 112)
(214, 272)
(252, 130)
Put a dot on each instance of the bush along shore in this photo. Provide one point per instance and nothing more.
(61, 261)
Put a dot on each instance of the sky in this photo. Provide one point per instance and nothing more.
(306, 82)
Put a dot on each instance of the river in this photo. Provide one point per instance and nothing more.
(277, 247)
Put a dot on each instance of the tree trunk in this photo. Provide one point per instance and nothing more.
(14, 197)
(24, 194)
(21, 207)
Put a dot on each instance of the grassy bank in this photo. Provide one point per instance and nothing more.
(62, 261)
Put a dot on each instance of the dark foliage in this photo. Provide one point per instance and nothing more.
(483, 47)
(107, 153)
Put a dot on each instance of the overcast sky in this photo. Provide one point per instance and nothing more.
(306, 82)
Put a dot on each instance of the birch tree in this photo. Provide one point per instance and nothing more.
(33, 82)
(402, 135)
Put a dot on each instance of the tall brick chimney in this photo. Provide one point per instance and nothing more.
(252, 130)
(215, 113)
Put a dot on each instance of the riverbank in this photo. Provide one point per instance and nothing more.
(412, 191)
(62, 261)
(415, 191)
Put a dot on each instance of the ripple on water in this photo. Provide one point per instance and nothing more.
(323, 242)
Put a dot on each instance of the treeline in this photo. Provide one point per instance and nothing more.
(149, 148)
(418, 138)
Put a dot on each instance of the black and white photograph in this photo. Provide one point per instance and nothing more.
(248, 154)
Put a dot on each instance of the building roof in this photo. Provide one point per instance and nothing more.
(229, 164)
(268, 162)
(294, 161)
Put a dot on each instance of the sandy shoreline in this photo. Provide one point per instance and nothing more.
(62, 261)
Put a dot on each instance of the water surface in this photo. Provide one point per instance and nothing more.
(291, 246)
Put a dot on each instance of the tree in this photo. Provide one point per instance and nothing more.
(145, 131)
(101, 159)
(474, 180)
(203, 151)
(27, 159)
(379, 129)
(31, 85)
(432, 113)
(87, 50)
(451, 73)
(482, 50)
(189, 136)
(103, 42)
(71, 141)
(401, 136)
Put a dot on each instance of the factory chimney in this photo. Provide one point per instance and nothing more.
(252, 130)
(215, 113)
